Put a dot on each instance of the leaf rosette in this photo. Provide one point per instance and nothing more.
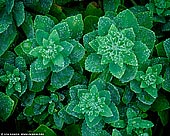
(145, 85)
(92, 103)
(120, 44)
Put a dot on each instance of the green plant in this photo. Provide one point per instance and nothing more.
(85, 68)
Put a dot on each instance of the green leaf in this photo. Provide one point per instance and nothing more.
(94, 122)
(75, 130)
(40, 36)
(43, 23)
(27, 25)
(77, 53)
(46, 130)
(9, 5)
(42, 100)
(166, 83)
(141, 51)
(76, 26)
(58, 60)
(106, 111)
(164, 116)
(142, 36)
(90, 23)
(6, 107)
(59, 122)
(104, 25)
(38, 109)
(111, 5)
(37, 71)
(36, 52)
(106, 94)
(116, 70)
(116, 132)
(145, 98)
(115, 115)
(160, 49)
(62, 78)
(135, 86)
(166, 44)
(152, 91)
(87, 38)
(51, 108)
(63, 31)
(160, 104)
(130, 59)
(9, 35)
(93, 63)
(129, 33)
(20, 63)
(127, 95)
(129, 73)
(19, 13)
(126, 19)
(70, 107)
(68, 48)
(5, 21)
(131, 113)
(119, 124)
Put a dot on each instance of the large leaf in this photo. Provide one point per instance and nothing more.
(142, 36)
(93, 63)
(6, 107)
(63, 30)
(166, 44)
(76, 26)
(126, 19)
(104, 25)
(141, 51)
(44, 23)
(19, 13)
(6, 38)
(27, 25)
(77, 53)
(38, 72)
(62, 78)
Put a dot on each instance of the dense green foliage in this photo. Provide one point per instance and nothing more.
(85, 68)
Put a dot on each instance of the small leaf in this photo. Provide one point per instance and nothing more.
(129, 73)
(43, 23)
(40, 36)
(58, 60)
(36, 52)
(9, 5)
(135, 86)
(166, 44)
(130, 59)
(94, 122)
(145, 98)
(116, 70)
(51, 108)
(46, 130)
(129, 33)
(152, 91)
(166, 83)
(77, 53)
(42, 100)
(62, 78)
(54, 37)
(59, 122)
(19, 13)
(106, 111)
(164, 116)
(116, 132)
(6, 107)
(93, 63)
(68, 48)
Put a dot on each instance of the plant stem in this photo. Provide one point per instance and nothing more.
(133, 2)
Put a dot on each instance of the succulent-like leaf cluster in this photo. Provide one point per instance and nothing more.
(147, 82)
(118, 45)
